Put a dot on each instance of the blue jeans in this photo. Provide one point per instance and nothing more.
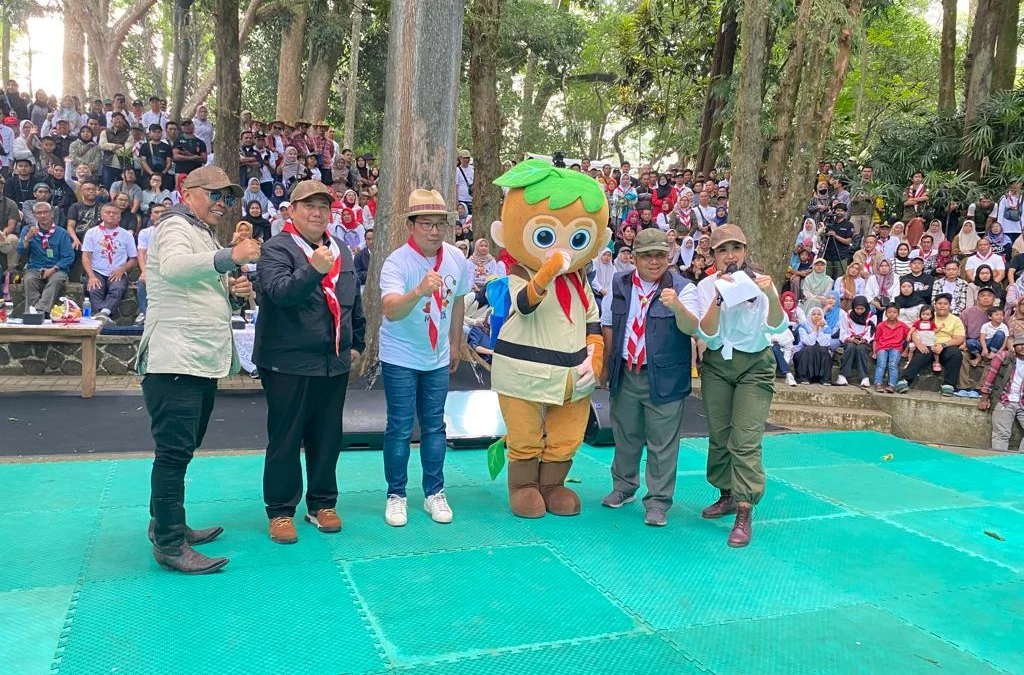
(780, 359)
(887, 358)
(110, 175)
(995, 343)
(413, 394)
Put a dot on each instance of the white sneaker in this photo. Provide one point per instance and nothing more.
(841, 381)
(790, 380)
(865, 383)
(437, 506)
(141, 318)
(105, 312)
(395, 513)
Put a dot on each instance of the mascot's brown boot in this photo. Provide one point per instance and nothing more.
(523, 494)
(558, 499)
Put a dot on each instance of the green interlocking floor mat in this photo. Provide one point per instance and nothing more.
(871, 555)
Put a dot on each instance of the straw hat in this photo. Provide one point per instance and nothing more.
(426, 203)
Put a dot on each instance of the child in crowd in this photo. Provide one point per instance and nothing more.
(995, 325)
(922, 335)
(890, 336)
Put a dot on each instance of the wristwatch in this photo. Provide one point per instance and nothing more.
(719, 301)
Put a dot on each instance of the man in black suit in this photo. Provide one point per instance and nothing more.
(309, 333)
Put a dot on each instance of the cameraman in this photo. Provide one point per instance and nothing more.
(836, 241)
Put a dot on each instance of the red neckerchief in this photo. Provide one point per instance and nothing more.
(46, 236)
(328, 282)
(432, 309)
(108, 243)
(636, 347)
(564, 295)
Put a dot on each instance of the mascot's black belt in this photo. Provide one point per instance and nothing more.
(540, 355)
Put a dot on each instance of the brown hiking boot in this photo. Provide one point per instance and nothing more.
(326, 520)
(282, 530)
(187, 560)
(723, 507)
(192, 537)
(524, 496)
(740, 535)
(879, 389)
(558, 499)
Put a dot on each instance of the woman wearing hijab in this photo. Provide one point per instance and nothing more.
(935, 230)
(849, 286)
(277, 195)
(983, 279)
(856, 330)
(814, 358)
(965, 244)
(622, 200)
(681, 255)
(260, 225)
(901, 261)
(881, 286)
(944, 256)
(289, 166)
(624, 259)
(483, 263)
(721, 216)
(1001, 243)
(349, 231)
(897, 236)
(664, 192)
(85, 151)
(783, 344)
(909, 303)
(26, 145)
(815, 286)
(604, 270)
(253, 193)
(833, 316)
(806, 238)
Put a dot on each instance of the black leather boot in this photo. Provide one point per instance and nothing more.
(187, 560)
(193, 537)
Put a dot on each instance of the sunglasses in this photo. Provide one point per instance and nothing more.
(219, 195)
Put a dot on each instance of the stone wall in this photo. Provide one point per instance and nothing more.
(126, 316)
(115, 355)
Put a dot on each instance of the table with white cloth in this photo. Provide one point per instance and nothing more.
(245, 338)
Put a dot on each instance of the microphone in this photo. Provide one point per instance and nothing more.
(731, 268)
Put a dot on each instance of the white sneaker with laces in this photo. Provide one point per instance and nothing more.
(395, 513)
(865, 383)
(841, 381)
(141, 318)
(790, 380)
(437, 506)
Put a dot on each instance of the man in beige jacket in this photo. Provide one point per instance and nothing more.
(186, 347)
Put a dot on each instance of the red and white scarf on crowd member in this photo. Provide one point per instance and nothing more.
(45, 236)
(636, 347)
(915, 192)
(328, 282)
(109, 243)
(433, 308)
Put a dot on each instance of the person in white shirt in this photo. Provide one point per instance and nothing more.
(422, 284)
(1008, 211)
(203, 130)
(154, 115)
(985, 256)
(737, 380)
(464, 175)
(108, 252)
(704, 213)
(7, 143)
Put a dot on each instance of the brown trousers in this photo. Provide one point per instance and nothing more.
(551, 433)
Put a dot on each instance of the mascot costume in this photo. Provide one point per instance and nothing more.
(549, 352)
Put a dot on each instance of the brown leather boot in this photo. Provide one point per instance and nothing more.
(193, 537)
(523, 494)
(723, 507)
(282, 530)
(740, 535)
(187, 560)
(559, 500)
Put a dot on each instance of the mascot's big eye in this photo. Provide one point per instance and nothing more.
(580, 239)
(544, 237)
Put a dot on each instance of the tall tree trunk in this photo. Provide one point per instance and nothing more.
(421, 113)
(183, 44)
(105, 40)
(74, 51)
(748, 142)
(324, 55)
(289, 69)
(721, 70)
(947, 58)
(978, 68)
(5, 44)
(93, 71)
(352, 88)
(108, 69)
(159, 72)
(227, 65)
(1004, 72)
(484, 111)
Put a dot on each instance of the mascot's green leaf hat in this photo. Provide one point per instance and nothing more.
(561, 187)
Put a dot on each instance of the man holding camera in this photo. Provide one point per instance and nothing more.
(836, 241)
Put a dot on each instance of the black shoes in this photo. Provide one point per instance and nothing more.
(187, 560)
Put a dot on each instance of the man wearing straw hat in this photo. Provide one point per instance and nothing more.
(422, 284)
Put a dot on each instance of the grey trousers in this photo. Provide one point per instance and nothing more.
(1003, 417)
(637, 422)
(43, 293)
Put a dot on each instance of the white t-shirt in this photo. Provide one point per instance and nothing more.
(406, 343)
(1009, 201)
(994, 261)
(462, 183)
(988, 330)
(110, 249)
(144, 237)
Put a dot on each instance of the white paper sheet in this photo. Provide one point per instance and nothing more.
(740, 289)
